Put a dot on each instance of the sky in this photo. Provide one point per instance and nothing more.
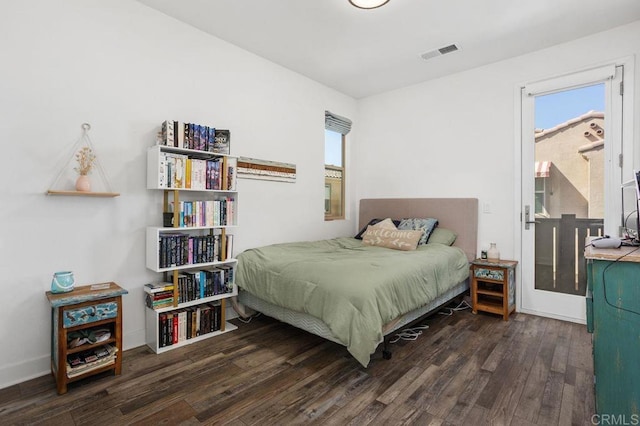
(333, 148)
(557, 108)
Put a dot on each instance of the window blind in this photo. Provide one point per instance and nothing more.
(336, 123)
(574, 80)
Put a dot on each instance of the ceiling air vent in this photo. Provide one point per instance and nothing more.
(439, 52)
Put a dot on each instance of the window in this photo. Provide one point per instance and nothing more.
(333, 175)
(542, 173)
(336, 128)
(541, 196)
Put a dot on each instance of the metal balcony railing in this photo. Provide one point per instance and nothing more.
(560, 264)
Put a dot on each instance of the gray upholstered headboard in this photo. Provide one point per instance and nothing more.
(458, 214)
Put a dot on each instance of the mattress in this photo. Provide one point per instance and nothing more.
(316, 326)
(352, 288)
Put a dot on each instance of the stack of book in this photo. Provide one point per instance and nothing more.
(158, 295)
(91, 359)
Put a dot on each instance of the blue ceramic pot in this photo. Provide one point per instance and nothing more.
(62, 282)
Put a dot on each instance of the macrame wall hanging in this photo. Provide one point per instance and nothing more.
(77, 180)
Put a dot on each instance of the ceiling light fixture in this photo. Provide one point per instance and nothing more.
(368, 4)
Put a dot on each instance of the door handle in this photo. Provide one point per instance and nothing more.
(527, 216)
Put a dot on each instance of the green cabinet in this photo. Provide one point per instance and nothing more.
(613, 316)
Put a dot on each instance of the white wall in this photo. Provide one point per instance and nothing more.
(455, 136)
(124, 69)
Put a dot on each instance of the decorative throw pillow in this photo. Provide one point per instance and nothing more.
(373, 222)
(426, 225)
(385, 224)
(442, 236)
(391, 238)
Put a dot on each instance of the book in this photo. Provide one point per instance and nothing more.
(229, 208)
(209, 174)
(189, 323)
(182, 325)
(166, 133)
(209, 206)
(159, 304)
(91, 359)
(176, 327)
(210, 139)
(198, 173)
(202, 138)
(162, 330)
(187, 135)
(205, 312)
(175, 134)
(222, 141)
(158, 287)
(180, 166)
(217, 310)
(157, 297)
(175, 169)
(197, 321)
(232, 168)
(194, 322)
(217, 175)
(179, 133)
(160, 179)
(229, 247)
(187, 182)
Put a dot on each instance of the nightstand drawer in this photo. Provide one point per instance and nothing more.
(490, 274)
(89, 314)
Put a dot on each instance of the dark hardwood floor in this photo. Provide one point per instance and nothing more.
(464, 370)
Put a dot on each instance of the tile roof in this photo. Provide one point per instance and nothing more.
(591, 114)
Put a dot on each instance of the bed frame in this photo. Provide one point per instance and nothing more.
(457, 214)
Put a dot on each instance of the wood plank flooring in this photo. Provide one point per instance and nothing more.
(464, 370)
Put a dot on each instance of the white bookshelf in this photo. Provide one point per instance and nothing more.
(180, 187)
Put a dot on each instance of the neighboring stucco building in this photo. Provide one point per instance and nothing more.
(570, 168)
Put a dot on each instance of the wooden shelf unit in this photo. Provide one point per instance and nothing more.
(493, 286)
(83, 194)
(84, 308)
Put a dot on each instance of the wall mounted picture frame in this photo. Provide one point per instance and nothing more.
(251, 168)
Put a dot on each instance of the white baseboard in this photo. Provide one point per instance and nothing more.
(554, 316)
(12, 374)
(133, 339)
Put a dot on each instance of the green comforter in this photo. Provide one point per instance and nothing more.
(355, 289)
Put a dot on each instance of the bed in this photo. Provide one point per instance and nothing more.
(356, 294)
